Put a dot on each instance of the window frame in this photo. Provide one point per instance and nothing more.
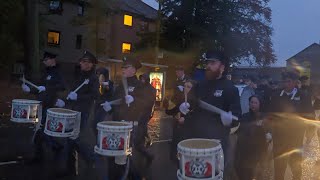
(59, 10)
(59, 39)
(82, 12)
(124, 20)
(122, 49)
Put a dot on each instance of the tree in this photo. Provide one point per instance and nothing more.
(242, 28)
(11, 32)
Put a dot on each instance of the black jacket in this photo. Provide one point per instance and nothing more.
(288, 111)
(54, 83)
(138, 107)
(220, 93)
(87, 94)
(251, 144)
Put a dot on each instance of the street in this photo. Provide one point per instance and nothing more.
(15, 142)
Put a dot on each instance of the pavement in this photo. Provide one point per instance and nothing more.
(15, 140)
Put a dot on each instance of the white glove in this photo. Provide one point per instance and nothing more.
(180, 88)
(73, 96)
(226, 118)
(60, 103)
(269, 137)
(105, 83)
(184, 108)
(25, 88)
(129, 99)
(41, 89)
(106, 106)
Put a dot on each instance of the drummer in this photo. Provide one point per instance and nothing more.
(132, 108)
(82, 101)
(51, 83)
(220, 92)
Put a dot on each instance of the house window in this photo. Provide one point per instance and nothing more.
(80, 10)
(126, 47)
(55, 7)
(53, 37)
(127, 20)
(79, 42)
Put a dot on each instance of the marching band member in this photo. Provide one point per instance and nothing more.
(134, 106)
(216, 90)
(51, 84)
(288, 107)
(82, 101)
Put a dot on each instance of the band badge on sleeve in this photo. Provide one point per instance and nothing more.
(218, 93)
(131, 89)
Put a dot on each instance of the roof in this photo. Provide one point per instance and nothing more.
(314, 45)
(137, 7)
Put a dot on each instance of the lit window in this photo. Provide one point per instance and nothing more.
(53, 38)
(126, 47)
(127, 20)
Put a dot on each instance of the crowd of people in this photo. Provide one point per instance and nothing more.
(267, 113)
(277, 114)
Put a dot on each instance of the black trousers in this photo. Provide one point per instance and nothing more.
(288, 151)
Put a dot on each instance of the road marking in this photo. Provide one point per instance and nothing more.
(9, 162)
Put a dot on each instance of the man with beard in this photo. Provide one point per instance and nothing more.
(215, 90)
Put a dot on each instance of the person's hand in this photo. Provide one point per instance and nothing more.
(60, 103)
(106, 106)
(184, 108)
(25, 88)
(180, 88)
(269, 137)
(226, 118)
(72, 96)
(129, 99)
(41, 89)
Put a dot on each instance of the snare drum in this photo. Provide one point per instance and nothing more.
(200, 159)
(62, 122)
(26, 111)
(113, 138)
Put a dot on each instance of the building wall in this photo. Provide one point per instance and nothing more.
(307, 59)
(66, 51)
(121, 33)
(112, 33)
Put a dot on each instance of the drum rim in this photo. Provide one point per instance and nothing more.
(105, 126)
(200, 151)
(72, 112)
(59, 134)
(26, 101)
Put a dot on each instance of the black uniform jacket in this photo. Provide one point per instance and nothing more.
(220, 93)
(86, 94)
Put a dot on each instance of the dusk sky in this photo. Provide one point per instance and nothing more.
(296, 26)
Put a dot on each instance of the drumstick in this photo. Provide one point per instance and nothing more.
(28, 82)
(86, 81)
(125, 86)
(214, 109)
(114, 102)
(185, 97)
